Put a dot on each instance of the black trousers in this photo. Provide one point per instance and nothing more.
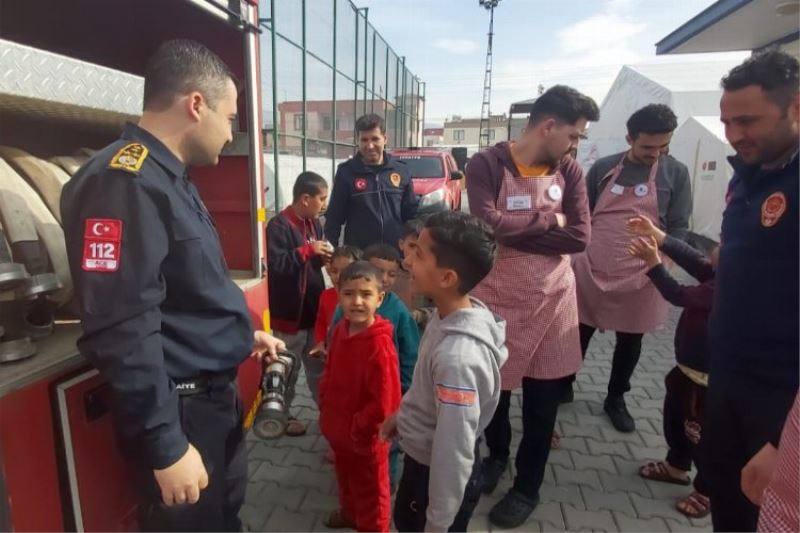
(212, 421)
(627, 351)
(540, 399)
(411, 502)
(742, 416)
(685, 403)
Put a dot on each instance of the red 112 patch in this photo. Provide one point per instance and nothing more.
(102, 240)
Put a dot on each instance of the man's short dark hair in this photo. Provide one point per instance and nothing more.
(309, 183)
(362, 270)
(565, 104)
(463, 243)
(652, 119)
(382, 251)
(179, 67)
(412, 228)
(347, 251)
(369, 122)
(774, 71)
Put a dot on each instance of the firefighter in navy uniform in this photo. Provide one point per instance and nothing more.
(372, 193)
(162, 320)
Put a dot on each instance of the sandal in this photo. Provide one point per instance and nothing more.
(337, 520)
(294, 428)
(659, 472)
(555, 440)
(695, 505)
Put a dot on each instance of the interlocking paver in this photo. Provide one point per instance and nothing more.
(626, 523)
(590, 483)
(598, 500)
(580, 520)
(586, 478)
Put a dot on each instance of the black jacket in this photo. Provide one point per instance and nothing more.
(294, 272)
(753, 330)
(156, 300)
(372, 202)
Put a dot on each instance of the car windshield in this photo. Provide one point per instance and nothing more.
(423, 167)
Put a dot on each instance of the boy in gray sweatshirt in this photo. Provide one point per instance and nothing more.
(456, 383)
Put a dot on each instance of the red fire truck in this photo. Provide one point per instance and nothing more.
(70, 76)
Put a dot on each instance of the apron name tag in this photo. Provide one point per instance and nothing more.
(516, 203)
(617, 189)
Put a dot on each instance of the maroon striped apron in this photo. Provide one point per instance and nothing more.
(614, 292)
(534, 293)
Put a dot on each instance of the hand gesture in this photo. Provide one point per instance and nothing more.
(266, 346)
(641, 226)
(318, 350)
(389, 428)
(646, 249)
(757, 473)
(322, 249)
(182, 481)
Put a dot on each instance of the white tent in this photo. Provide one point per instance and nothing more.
(689, 88)
(701, 145)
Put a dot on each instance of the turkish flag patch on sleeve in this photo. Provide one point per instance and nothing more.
(102, 243)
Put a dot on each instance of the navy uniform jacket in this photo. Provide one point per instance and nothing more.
(372, 201)
(753, 329)
(156, 299)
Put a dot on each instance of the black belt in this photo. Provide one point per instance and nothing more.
(204, 382)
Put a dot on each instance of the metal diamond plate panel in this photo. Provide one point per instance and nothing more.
(34, 81)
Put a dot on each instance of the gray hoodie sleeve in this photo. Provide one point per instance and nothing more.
(461, 376)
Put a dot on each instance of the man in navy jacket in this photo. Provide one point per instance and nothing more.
(372, 193)
(753, 330)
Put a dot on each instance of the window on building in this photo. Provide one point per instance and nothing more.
(458, 135)
(299, 122)
(327, 122)
(491, 135)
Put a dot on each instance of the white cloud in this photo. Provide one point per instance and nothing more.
(456, 46)
(598, 32)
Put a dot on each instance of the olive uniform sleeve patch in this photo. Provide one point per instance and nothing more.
(130, 158)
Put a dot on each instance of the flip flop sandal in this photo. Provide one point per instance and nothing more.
(295, 428)
(336, 520)
(658, 472)
(695, 505)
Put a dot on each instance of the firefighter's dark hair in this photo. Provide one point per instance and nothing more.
(774, 71)
(182, 66)
(369, 122)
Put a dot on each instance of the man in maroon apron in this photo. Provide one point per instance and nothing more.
(534, 198)
(614, 292)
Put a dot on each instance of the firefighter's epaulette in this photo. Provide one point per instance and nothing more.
(129, 158)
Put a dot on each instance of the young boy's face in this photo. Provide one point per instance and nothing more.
(389, 270)
(360, 299)
(427, 278)
(336, 266)
(312, 206)
(407, 245)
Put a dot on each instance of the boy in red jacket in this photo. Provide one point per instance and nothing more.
(359, 390)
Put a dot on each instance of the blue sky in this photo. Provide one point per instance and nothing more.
(582, 43)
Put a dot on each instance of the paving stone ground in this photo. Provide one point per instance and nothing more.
(591, 482)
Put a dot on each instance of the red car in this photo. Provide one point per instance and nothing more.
(437, 180)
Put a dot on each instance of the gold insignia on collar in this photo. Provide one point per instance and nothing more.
(129, 158)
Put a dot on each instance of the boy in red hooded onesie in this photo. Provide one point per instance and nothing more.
(359, 390)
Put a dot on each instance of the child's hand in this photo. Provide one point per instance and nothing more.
(318, 350)
(757, 473)
(322, 249)
(644, 227)
(646, 249)
(388, 430)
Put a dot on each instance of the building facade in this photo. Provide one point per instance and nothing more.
(460, 131)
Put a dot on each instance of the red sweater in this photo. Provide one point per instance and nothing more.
(360, 387)
(328, 301)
